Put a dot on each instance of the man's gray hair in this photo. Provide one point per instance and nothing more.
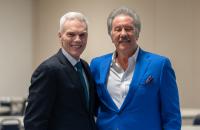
(124, 11)
(72, 16)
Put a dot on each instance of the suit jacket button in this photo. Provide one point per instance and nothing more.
(118, 113)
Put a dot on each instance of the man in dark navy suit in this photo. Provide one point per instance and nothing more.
(59, 98)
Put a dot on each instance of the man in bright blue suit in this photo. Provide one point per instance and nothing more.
(137, 89)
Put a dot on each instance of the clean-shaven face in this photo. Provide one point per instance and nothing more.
(74, 37)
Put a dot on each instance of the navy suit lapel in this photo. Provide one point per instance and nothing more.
(71, 73)
(140, 69)
(68, 67)
(104, 71)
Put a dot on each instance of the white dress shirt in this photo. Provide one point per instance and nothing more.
(119, 80)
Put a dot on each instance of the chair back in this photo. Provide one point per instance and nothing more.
(10, 124)
(196, 120)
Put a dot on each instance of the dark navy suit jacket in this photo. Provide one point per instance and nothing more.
(56, 97)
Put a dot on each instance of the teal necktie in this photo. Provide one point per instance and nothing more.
(83, 82)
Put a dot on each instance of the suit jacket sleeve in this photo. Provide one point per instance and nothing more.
(170, 108)
(41, 99)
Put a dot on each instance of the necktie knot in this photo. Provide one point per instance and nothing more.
(78, 66)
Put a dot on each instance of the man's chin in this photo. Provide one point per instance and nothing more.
(76, 55)
(124, 42)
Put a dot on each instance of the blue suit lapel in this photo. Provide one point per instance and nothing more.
(140, 69)
(104, 71)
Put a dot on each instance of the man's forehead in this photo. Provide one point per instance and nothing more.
(121, 19)
(76, 31)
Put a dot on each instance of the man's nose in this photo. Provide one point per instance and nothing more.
(77, 38)
(123, 32)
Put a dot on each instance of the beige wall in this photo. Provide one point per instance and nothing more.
(15, 46)
(169, 27)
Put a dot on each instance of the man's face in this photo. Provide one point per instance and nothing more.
(123, 35)
(73, 37)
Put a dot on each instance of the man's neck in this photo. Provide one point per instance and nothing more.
(122, 59)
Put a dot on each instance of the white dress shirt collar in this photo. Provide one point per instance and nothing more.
(71, 59)
(130, 59)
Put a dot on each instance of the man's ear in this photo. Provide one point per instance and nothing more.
(59, 35)
(137, 34)
(111, 36)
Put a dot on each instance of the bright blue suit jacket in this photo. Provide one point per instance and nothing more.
(152, 102)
